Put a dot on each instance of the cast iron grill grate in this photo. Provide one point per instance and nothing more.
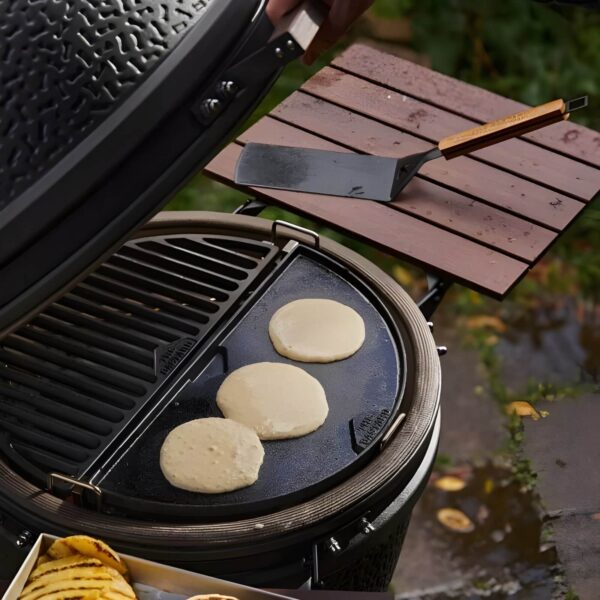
(72, 378)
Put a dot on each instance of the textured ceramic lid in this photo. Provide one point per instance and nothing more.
(100, 123)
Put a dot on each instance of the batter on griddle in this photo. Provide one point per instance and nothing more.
(316, 330)
(211, 456)
(278, 401)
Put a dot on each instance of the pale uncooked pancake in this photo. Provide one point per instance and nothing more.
(211, 456)
(316, 331)
(278, 401)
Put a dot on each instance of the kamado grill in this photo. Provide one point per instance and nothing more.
(111, 339)
(91, 386)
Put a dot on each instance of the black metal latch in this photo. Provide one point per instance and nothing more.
(289, 41)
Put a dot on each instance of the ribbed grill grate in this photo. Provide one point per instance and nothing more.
(73, 377)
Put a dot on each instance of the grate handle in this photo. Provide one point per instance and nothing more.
(82, 485)
(309, 232)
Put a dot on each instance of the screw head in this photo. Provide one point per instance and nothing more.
(228, 88)
(279, 53)
(291, 46)
(333, 545)
(210, 107)
(442, 350)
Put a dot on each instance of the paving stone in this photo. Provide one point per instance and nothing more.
(578, 544)
(472, 425)
(472, 428)
(564, 449)
(560, 346)
(426, 561)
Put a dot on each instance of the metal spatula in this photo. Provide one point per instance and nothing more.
(376, 177)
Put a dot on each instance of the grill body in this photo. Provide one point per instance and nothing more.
(280, 547)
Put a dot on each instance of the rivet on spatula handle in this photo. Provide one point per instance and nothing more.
(508, 127)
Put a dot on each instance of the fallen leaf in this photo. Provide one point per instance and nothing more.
(449, 483)
(522, 409)
(455, 520)
(544, 414)
(402, 275)
(488, 486)
(491, 340)
(486, 321)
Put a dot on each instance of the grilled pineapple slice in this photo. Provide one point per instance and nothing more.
(59, 549)
(78, 568)
(88, 546)
(63, 564)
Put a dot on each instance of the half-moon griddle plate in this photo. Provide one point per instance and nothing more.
(364, 388)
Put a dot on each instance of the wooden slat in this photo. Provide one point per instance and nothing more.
(470, 177)
(393, 231)
(430, 202)
(517, 156)
(464, 99)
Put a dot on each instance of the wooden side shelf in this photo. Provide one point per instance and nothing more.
(482, 220)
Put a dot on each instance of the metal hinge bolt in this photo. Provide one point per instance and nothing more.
(442, 350)
(366, 526)
(430, 325)
(333, 545)
(211, 107)
(227, 89)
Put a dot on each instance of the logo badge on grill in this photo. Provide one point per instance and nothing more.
(366, 427)
(173, 354)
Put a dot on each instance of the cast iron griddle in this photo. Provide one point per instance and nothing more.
(367, 384)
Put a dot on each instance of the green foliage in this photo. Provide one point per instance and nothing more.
(518, 48)
(443, 462)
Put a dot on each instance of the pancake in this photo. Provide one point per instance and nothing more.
(314, 330)
(278, 401)
(211, 456)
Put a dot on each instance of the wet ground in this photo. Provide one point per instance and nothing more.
(502, 556)
(519, 546)
(559, 343)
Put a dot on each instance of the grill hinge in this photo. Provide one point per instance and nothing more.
(289, 41)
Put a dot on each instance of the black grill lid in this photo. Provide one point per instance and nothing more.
(106, 107)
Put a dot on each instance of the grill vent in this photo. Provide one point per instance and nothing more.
(72, 378)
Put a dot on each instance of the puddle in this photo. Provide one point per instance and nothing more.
(503, 556)
(558, 344)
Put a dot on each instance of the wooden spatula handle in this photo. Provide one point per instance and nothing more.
(503, 129)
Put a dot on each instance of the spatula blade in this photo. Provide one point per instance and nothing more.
(317, 171)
